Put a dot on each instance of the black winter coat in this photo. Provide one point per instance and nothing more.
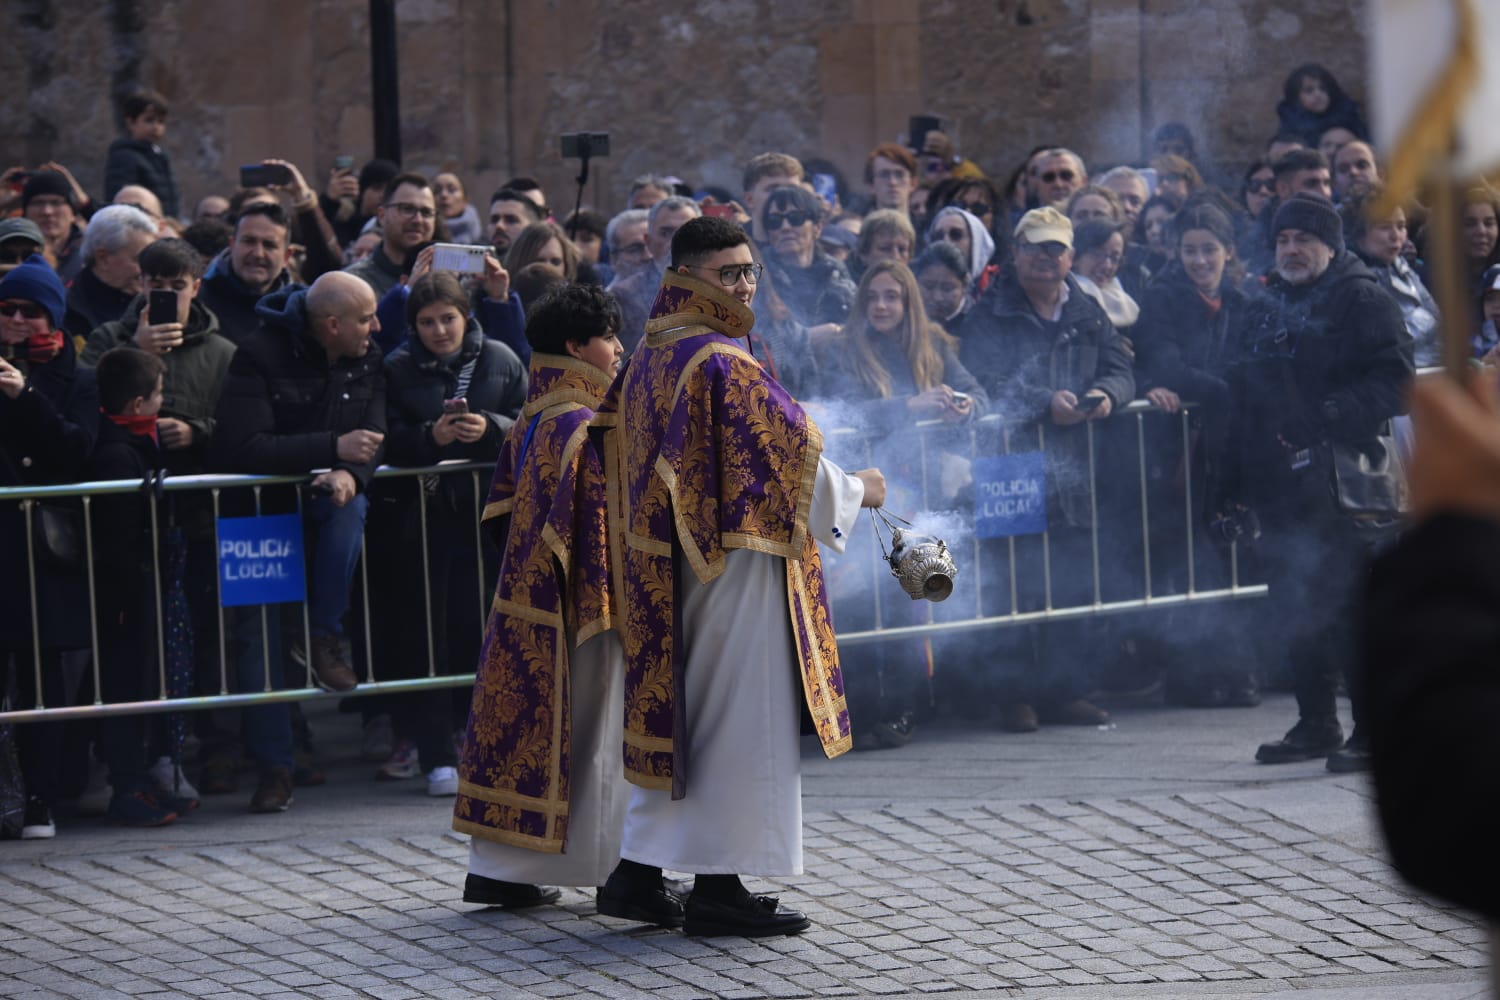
(1182, 344)
(135, 161)
(822, 292)
(1324, 362)
(123, 553)
(1021, 360)
(417, 383)
(46, 434)
(91, 304)
(284, 405)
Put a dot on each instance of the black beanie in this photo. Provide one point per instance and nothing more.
(46, 182)
(1311, 213)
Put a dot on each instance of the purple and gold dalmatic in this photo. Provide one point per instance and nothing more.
(553, 586)
(706, 452)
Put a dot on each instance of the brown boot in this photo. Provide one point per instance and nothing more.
(329, 666)
(274, 793)
(1018, 717)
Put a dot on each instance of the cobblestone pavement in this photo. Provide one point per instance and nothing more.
(1062, 898)
(1150, 858)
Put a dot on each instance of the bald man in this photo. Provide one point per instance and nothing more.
(146, 200)
(306, 392)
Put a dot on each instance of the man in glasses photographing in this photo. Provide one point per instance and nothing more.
(408, 217)
(815, 287)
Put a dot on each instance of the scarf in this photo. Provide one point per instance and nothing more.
(141, 426)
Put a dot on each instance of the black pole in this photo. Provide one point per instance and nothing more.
(383, 90)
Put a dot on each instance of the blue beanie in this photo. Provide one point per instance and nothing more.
(35, 281)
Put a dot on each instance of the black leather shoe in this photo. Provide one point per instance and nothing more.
(506, 895)
(749, 916)
(1310, 738)
(1353, 757)
(657, 905)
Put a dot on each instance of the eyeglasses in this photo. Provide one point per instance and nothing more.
(793, 219)
(28, 310)
(15, 254)
(1266, 184)
(407, 209)
(1052, 176)
(951, 235)
(1051, 248)
(730, 274)
(633, 250)
(978, 209)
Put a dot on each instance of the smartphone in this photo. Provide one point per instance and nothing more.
(719, 211)
(264, 175)
(580, 145)
(1087, 404)
(161, 306)
(459, 405)
(917, 128)
(825, 187)
(461, 257)
(343, 163)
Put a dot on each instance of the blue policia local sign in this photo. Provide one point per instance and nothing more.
(260, 560)
(1010, 495)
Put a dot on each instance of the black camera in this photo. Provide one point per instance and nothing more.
(584, 145)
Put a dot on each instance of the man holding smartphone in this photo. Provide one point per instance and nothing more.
(169, 321)
(408, 217)
(1047, 354)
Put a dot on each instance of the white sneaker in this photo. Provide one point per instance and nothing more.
(94, 799)
(401, 764)
(442, 781)
(169, 779)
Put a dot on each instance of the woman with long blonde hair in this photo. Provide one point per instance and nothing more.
(895, 361)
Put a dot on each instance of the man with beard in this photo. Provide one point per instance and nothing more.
(637, 291)
(510, 212)
(408, 216)
(1326, 362)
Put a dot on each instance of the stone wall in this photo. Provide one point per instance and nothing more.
(692, 89)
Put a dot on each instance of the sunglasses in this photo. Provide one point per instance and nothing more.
(1266, 184)
(1051, 248)
(951, 235)
(1052, 176)
(977, 208)
(793, 219)
(28, 310)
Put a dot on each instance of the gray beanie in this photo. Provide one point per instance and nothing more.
(1311, 213)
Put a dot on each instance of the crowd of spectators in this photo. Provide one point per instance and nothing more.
(306, 332)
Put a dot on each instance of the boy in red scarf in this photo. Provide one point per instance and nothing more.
(130, 396)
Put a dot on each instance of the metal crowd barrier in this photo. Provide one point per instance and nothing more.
(215, 485)
(937, 619)
(951, 617)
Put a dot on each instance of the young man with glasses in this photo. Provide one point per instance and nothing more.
(407, 217)
(721, 492)
(891, 172)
